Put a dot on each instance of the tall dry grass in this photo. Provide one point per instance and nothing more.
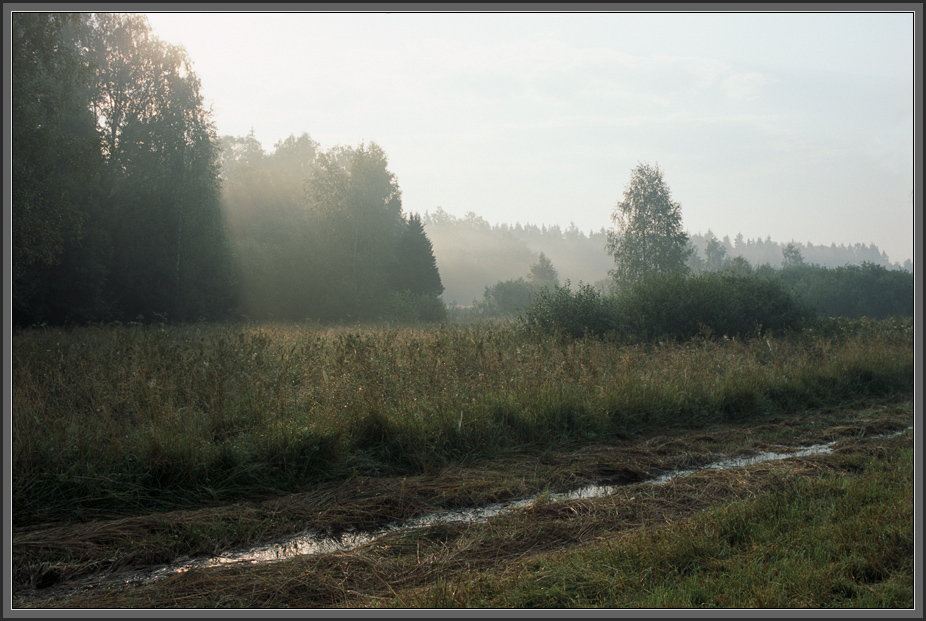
(120, 420)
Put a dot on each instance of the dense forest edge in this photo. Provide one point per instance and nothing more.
(128, 207)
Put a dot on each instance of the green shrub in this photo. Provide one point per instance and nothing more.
(681, 307)
(671, 307)
(506, 298)
(574, 313)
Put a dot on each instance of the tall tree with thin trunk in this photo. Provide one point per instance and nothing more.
(647, 237)
(170, 250)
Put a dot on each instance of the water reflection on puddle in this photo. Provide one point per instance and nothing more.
(816, 449)
(314, 542)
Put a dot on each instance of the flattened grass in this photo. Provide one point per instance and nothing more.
(840, 539)
(833, 531)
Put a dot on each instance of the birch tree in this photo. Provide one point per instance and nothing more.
(647, 237)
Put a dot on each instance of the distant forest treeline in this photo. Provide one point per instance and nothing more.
(473, 254)
(761, 252)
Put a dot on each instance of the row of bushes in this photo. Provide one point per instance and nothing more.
(674, 307)
(866, 290)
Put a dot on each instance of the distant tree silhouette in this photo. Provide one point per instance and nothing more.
(791, 256)
(648, 238)
(543, 273)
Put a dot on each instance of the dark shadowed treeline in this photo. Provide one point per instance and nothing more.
(127, 206)
(866, 290)
(115, 186)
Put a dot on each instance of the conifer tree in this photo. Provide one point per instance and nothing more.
(543, 273)
(415, 267)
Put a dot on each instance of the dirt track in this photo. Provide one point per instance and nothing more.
(75, 564)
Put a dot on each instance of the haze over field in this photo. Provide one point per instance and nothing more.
(797, 126)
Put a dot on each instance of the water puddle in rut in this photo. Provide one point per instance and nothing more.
(316, 542)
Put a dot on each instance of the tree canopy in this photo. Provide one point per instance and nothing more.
(648, 238)
(116, 203)
(127, 206)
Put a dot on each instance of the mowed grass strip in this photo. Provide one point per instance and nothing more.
(833, 531)
(816, 544)
(49, 555)
(834, 537)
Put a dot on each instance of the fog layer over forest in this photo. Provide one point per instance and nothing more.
(473, 254)
(127, 206)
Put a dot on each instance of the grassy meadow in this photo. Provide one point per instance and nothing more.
(125, 423)
(122, 420)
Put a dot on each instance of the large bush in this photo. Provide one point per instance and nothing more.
(680, 307)
(575, 313)
(669, 307)
(506, 298)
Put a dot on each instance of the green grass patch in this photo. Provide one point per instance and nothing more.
(839, 540)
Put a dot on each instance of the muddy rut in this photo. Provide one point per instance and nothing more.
(136, 552)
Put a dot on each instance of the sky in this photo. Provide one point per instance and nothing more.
(795, 126)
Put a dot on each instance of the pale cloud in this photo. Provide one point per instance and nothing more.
(744, 86)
